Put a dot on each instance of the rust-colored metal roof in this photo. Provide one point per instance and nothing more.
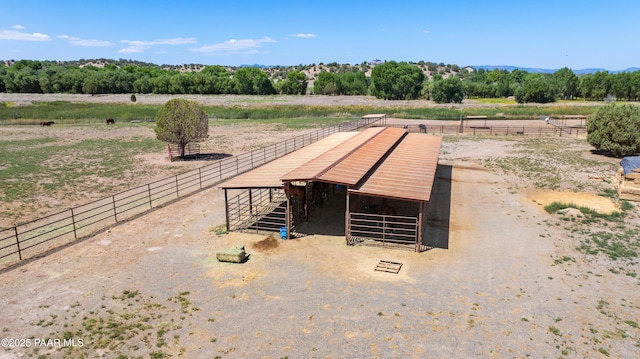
(408, 172)
(318, 165)
(268, 175)
(350, 170)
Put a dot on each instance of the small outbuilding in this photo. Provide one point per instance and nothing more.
(373, 186)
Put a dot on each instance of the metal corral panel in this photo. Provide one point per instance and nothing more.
(316, 166)
(268, 175)
(354, 167)
(409, 171)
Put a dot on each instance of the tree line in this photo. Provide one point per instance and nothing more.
(389, 80)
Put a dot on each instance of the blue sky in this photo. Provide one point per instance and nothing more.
(541, 34)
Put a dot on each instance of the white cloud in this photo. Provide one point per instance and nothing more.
(18, 27)
(21, 36)
(426, 31)
(234, 46)
(136, 46)
(80, 42)
(305, 36)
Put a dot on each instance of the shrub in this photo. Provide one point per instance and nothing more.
(615, 129)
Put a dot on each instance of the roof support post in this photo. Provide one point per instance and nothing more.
(421, 215)
(226, 209)
(287, 220)
(347, 219)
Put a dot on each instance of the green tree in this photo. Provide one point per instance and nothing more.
(602, 81)
(396, 81)
(536, 88)
(621, 86)
(181, 122)
(294, 84)
(327, 84)
(615, 129)
(566, 83)
(252, 81)
(448, 90)
(354, 83)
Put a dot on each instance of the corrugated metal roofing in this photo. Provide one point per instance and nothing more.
(310, 170)
(355, 166)
(408, 172)
(269, 174)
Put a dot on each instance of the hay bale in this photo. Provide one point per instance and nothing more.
(233, 255)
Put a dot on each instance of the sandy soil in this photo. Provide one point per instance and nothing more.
(498, 286)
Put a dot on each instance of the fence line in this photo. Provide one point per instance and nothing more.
(34, 238)
(496, 130)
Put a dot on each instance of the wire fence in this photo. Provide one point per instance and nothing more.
(40, 236)
(539, 131)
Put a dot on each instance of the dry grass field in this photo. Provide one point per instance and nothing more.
(510, 281)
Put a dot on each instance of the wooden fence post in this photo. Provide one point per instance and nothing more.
(73, 221)
(200, 176)
(115, 213)
(15, 229)
(149, 191)
(177, 189)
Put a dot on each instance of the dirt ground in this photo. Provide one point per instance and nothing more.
(507, 280)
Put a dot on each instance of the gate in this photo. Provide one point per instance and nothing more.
(385, 230)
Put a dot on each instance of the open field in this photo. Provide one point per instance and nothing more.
(508, 280)
(19, 99)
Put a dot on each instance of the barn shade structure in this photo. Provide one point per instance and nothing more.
(378, 181)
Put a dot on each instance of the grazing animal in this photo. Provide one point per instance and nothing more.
(47, 123)
(111, 121)
(423, 128)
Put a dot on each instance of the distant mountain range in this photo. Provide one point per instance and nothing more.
(508, 68)
(550, 71)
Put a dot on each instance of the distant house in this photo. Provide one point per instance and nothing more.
(375, 62)
(468, 69)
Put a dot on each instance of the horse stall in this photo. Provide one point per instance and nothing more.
(389, 206)
(385, 222)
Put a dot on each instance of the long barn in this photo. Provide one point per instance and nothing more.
(373, 186)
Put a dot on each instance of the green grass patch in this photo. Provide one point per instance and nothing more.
(614, 245)
(72, 112)
(554, 207)
(496, 101)
(67, 168)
